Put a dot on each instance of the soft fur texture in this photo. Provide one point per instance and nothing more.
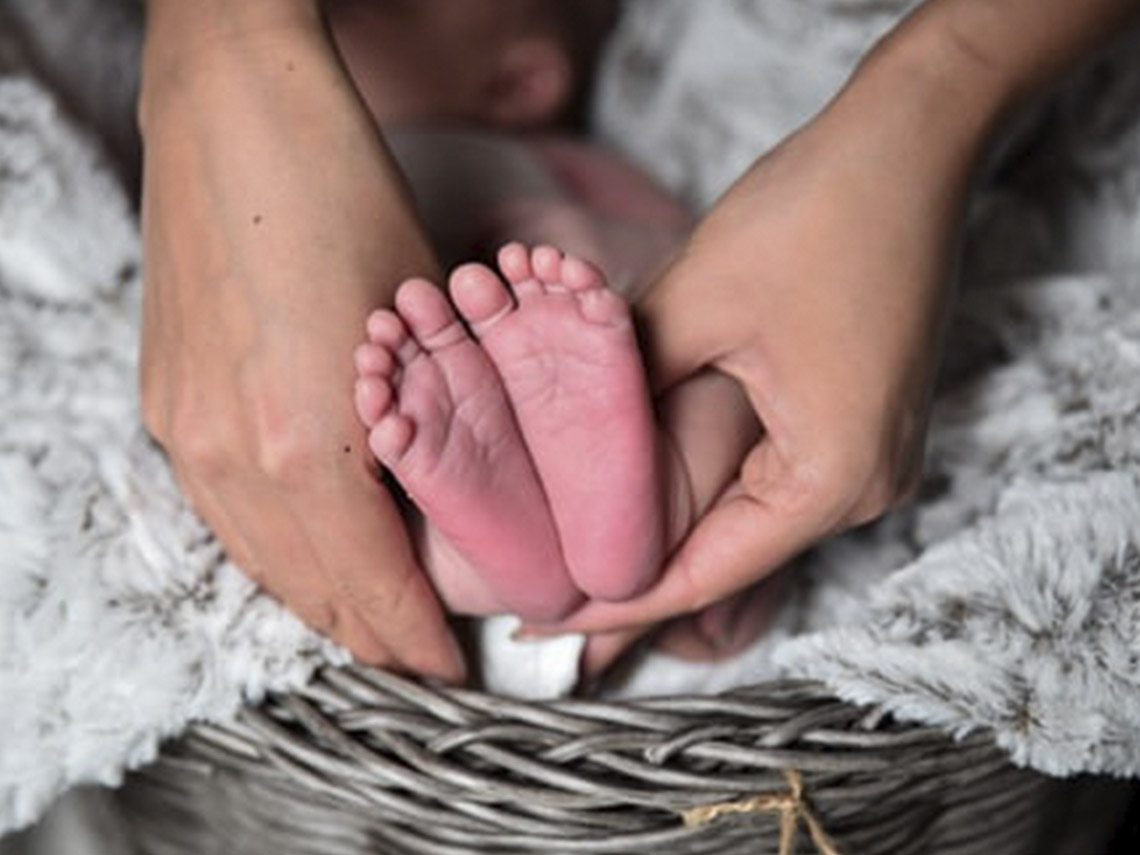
(119, 619)
(1008, 598)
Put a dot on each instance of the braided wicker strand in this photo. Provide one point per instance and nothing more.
(362, 761)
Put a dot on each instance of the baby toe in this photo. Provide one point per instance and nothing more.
(580, 275)
(373, 398)
(371, 359)
(482, 298)
(546, 261)
(514, 263)
(386, 330)
(428, 315)
(391, 437)
(603, 307)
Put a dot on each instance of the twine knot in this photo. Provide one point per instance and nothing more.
(791, 806)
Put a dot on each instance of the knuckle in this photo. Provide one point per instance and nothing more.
(837, 484)
(876, 501)
(888, 484)
(695, 594)
(287, 454)
(794, 486)
(368, 650)
(378, 603)
(248, 567)
(198, 445)
(317, 614)
(153, 411)
(357, 623)
(288, 445)
(843, 489)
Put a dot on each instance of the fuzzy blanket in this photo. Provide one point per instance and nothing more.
(1006, 599)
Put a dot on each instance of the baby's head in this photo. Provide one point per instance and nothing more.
(511, 64)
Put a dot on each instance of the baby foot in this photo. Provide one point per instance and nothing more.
(565, 348)
(439, 420)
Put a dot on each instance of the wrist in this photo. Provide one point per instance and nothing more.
(973, 62)
(932, 90)
(177, 22)
(180, 35)
(191, 41)
(221, 14)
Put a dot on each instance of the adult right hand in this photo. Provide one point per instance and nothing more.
(273, 223)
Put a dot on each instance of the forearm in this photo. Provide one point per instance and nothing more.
(916, 119)
(947, 77)
(1011, 48)
(254, 107)
(176, 28)
(229, 48)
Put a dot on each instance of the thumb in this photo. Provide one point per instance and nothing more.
(683, 327)
(743, 539)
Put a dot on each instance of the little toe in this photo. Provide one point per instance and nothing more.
(580, 275)
(603, 307)
(373, 398)
(386, 329)
(482, 298)
(391, 437)
(547, 264)
(514, 262)
(428, 315)
(373, 359)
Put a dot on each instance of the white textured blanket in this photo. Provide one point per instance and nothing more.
(1008, 598)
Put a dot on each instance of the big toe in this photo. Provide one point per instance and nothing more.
(480, 295)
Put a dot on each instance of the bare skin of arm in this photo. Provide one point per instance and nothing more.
(820, 283)
(274, 221)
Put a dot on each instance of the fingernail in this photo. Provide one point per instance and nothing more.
(527, 632)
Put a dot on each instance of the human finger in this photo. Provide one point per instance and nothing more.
(213, 514)
(604, 649)
(742, 539)
(726, 628)
(360, 592)
(275, 551)
(679, 339)
(369, 564)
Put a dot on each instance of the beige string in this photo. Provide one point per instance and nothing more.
(790, 805)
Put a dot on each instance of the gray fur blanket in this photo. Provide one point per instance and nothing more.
(1006, 599)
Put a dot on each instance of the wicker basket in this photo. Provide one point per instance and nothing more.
(362, 761)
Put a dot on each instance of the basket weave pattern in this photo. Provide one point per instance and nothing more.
(362, 761)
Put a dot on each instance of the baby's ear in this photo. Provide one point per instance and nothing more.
(531, 85)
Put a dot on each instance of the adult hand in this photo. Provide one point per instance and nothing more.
(273, 222)
(819, 283)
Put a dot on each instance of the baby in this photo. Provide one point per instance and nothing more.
(514, 408)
